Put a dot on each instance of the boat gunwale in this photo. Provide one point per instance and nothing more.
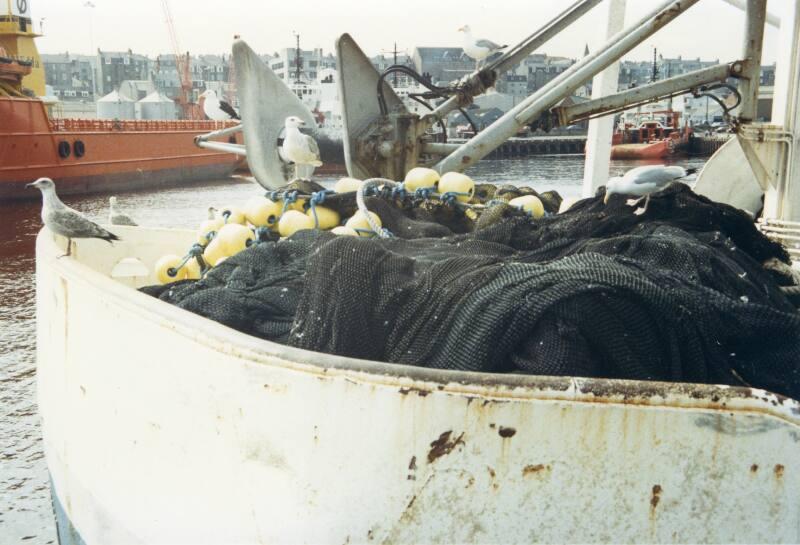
(412, 379)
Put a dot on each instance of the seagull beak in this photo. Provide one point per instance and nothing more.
(605, 198)
(32, 184)
(301, 123)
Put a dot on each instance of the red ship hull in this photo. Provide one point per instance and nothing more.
(86, 156)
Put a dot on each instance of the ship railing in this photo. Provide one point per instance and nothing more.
(137, 125)
(787, 233)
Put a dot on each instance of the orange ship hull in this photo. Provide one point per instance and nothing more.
(653, 150)
(85, 156)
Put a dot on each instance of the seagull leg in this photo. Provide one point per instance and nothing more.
(634, 202)
(69, 249)
(642, 210)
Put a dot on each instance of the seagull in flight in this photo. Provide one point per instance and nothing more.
(299, 148)
(478, 48)
(644, 181)
(115, 216)
(216, 109)
(63, 220)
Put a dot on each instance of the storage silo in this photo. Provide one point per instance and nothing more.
(116, 106)
(157, 105)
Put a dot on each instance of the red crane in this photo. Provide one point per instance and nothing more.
(182, 62)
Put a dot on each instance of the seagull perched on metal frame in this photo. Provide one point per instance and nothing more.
(478, 48)
(216, 109)
(115, 216)
(63, 220)
(299, 148)
(643, 181)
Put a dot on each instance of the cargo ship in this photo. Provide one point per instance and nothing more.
(657, 136)
(86, 155)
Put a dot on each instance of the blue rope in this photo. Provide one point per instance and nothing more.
(451, 197)
(288, 198)
(317, 198)
(399, 191)
(424, 192)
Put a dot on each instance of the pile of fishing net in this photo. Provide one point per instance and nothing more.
(680, 293)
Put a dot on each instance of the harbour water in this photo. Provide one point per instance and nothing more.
(25, 508)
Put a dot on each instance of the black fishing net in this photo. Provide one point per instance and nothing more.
(677, 294)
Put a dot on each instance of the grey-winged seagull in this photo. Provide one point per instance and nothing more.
(63, 220)
(216, 109)
(644, 181)
(115, 216)
(299, 148)
(478, 48)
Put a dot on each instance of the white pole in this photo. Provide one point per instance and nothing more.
(783, 199)
(598, 139)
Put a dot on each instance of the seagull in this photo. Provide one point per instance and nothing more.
(478, 48)
(299, 148)
(643, 181)
(216, 109)
(63, 220)
(115, 217)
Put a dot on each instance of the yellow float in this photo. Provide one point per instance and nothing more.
(455, 182)
(530, 204)
(567, 203)
(293, 221)
(420, 178)
(262, 212)
(234, 214)
(327, 217)
(167, 264)
(358, 222)
(344, 230)
(346, 185)
(234, 238)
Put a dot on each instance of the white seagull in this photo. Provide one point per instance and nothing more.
(115, 216)
(299, 148)
(643, 181)
(478, 48)
(216, 109)
(63, 220)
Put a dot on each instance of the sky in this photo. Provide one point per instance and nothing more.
(711, 29)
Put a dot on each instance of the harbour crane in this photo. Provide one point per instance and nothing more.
(189, 109)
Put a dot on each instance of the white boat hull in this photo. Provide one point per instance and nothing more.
(163, 427)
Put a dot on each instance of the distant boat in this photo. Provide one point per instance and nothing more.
(654, 135)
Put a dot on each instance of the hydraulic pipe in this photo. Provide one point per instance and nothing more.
(561, 86)
(519, 52)
(225, 147)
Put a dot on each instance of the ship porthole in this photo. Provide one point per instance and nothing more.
(63, 149)
(80, 149)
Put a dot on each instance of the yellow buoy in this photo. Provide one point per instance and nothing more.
(208, 227)
(293, 221)
(358, 222)
(327, 217)
(169, 264)
(420, 177)
(234, 214)
(455, 182)
(192, 268)
(346, 185)
(262, 212)
(234, 238)
(567, 203)
(214, 252)
(530, 204)
(344, 230)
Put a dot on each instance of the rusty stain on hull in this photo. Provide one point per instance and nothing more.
(506, 433)
(443, 445)
(655, 498)
(533, 469)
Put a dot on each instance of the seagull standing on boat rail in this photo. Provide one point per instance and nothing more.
(216, 109)
(116, 217)
(63, 220)
(299, 148)
(478, 48)
(644, 181)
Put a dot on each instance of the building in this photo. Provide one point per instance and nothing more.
(114, 67)
(70, 76)
(442, 64)
(284, 64)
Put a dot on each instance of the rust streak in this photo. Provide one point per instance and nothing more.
(779, 470)
(753, 468)
(412, 465)
(444, 445)
(531, 469)
(419, 391)
(492, 473)
(655, 498)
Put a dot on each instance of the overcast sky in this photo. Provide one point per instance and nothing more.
(711, 29)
